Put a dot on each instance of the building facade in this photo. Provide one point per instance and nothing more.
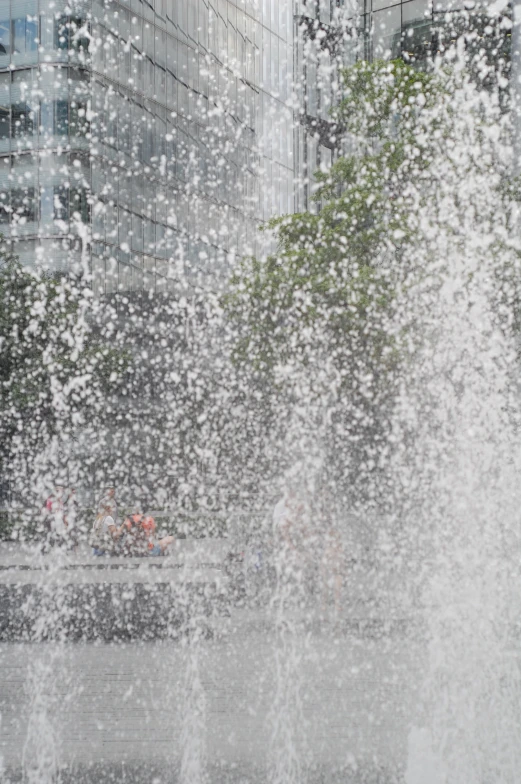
(141, 138)
(331, 34)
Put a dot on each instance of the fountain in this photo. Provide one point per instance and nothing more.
(366, 370)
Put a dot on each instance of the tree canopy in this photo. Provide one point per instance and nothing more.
(331, 303)
(329, 275)
(54, 368)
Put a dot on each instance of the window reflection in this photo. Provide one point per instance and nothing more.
(25, 35)
(5, 36)
(22, 120)
(154, 94)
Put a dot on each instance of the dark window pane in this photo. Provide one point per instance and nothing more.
(78, 41)
(79, 204)
(61, 33)
(78, 118)
(32, 35)
(23, 204)
(22, 120)
(5, 37)
(61, 203)
(4, 122)
(18, 39)
(61, 118)
(5, 208)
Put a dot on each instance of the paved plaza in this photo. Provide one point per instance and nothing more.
(123, 705)
(228, 704)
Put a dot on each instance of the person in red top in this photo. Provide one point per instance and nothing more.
(55, 519)
(139, 537)
(159, 547)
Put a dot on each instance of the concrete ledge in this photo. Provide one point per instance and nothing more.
(107, 611)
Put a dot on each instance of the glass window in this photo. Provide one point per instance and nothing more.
(125, 277)
(193, 75)
(203, 26)
(172, 91)
(5, 85)
(181, 15)
(137, 69)
(124, 24)
(266, 39)
(23, 204)
(61, 35)
(160, 54)
(387, 32)
(150, 236)
(379, 4)
(78, 118)
(416, 31)
(161, 9)
(182, 99)
(5, 208)
(18, 26)
(137, 232)
(47, 118)
(192, 19)
(79, 204)
(61, 203)
(137, 7)
(4, 122)
(171, 54)
(24, 34)
(125, 227)
(77, 38)
(182, 63)
(98, 275)
(149, 40)
(149, 77)
(22, 120)
(5, 36)
(98, 223)
(124, 125)
(232, 49)
(160, 92)
(61, 118)
(32, 34)
(137, 132)
(124, 63)
(311, 87)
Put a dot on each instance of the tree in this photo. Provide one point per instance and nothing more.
(329, 290)
(55, 370)
(329, 316)
(330, 269)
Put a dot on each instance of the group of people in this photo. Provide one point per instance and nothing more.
(134, 537)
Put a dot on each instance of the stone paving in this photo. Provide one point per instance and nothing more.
(343, 695)
(121, 705)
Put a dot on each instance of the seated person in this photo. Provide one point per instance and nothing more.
(105, 534)
(159, 547)
(139, 532)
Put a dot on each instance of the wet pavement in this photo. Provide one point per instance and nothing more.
(122, 707)
(342, 690)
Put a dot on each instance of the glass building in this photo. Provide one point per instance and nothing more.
(330, 34)
(137, 136)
